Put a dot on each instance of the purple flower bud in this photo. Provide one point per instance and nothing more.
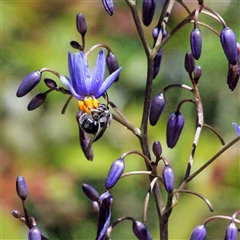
(90, 192)
(34, 234)
(157, 62)
(114, 173)
(197, 73)
(199, 233)
(155, 33)
(29, 83)
(229, 45)
(81, 24)
(174, 128)
(233, 76)
(157, 106)
(157, 149)
(189, 62)
(37, 101)
(16, 214)
(104, 217)
(75, 45)
(168, 178)
(148, 10)
(21, 188)
(196, 43)
(108, 5)
(140, 230)
(50, 83)
(231, 232)
(112, 64)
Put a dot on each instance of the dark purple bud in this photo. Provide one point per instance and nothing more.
(157, 63)
(50, 83)
(104, 217)
(197, 73)
(157, 106)
(148, 10)
(34, 234)
(32, 222)
(112, 64)
(199, 233)
(114, 173)
(29, 83)
(21, 188)
(155, 33)
(37, 101)
(140, 230)
(90, 192)
(157, 149)
(17, 214)
(174, 128)
(189, 62)
(84, 140)
(233, 76)
(108, 5)
(229, 45)
(81, 24)
(231, 232)
(168, 178)
(75, 45)
(196, 43)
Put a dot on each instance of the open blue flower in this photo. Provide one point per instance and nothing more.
(81, 83)
(237, 128)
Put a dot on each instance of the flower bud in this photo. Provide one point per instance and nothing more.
(34, 234)
(231, 232)
(157, 149)
(141, 231)
(233, 76)
(112, 64)
(196, 43)
(174, 128)
(148, 10)
(155, 33)
(199, 233)
(168, 178)
(37, 101)
(189, 62)
(75, 45)
(229, 45)
(16, 214)
(81, 24)
(21, 188)
(114, 173)
(90, 192)
(237, 128)
(157, 63)
(31, 80)
(197, 73)
(50, 83)
(157, 106)
(108, 5)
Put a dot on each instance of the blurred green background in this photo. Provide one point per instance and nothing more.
(43, 145)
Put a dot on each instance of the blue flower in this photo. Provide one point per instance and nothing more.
(237, 128)
(84, 85)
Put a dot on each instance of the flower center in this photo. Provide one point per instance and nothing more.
(87, 104)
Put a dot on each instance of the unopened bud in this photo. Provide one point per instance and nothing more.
(229, 45)
(231, 232)
(168, 178)
(148, 10)
(140, 230)
(233, 76)
(115, 172)
(75, 45)
(81, 24)
(196, 43)
(157, 149)
(34, 234)
(199, 233)
(157, 63)
(37, 101)
(108, 5)
(189, 62)
(174, 128)
(30, 81)
(16, 214)
(50, 83)
(90, 192)
(197, 74)
(157, 106)
(112, 64)
(21, 188)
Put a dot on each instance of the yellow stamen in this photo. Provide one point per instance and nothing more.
(87, 104)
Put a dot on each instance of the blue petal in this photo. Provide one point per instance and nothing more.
(67, 82)
(237, 128)
(107, 83)
(98, 73)
(70, 67)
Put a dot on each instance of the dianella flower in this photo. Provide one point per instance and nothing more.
(86, 87)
